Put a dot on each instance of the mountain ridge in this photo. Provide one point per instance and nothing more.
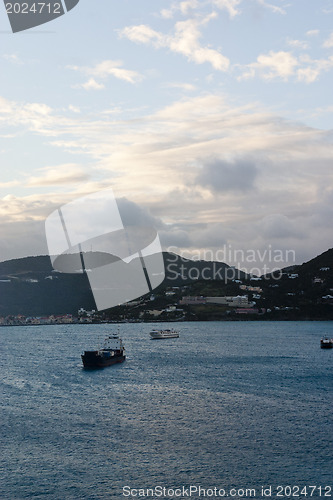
(30, 285)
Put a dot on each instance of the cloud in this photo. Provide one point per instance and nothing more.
(200, 166)
(90, 84)
(229, 5)
(184, 7)
(103, 70)
(308, 75)
(74, 109)
(284, 65)
(183, 86)
(221, 175)
(143, 34)
(272, 65)
(328, 44)
(278, 226)
(24, 208)
(114, 68)
(37, 117)
(9, 184)
(312, 33)
(313, 68)
(187, 6)
(66, 174)
(272, 7)
(38, 108)
(298, 44)
(133, 214)
(184, 40)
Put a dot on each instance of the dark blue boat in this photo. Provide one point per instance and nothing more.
(111, 353)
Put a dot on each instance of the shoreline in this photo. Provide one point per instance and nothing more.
(234, 320)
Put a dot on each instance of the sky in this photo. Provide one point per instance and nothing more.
(212, 118)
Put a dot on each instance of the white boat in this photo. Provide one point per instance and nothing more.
(164, 334)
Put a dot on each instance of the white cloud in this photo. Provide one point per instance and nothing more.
(65, 174)
(187, 6)
(184, 7)
(38, 108)
(272, 65)
(272, 7)
(143, 34)
(104, 69)
(312, 33)
(308, 75)
(313, 68)
(185, 41)
(328, 44)
(21, 209)
(284, 65)
(90, 84)
(74, 109)
(114, 68)
(37, 117)
(183, 86)
(229, 5)
(5, 106)
(167, 13)
(298, 44)
(9, 184)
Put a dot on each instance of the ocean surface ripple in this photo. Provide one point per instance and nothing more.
(226, 405)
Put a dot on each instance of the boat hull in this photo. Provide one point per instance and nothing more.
(164, 335)
(92, 359)
(326, 345)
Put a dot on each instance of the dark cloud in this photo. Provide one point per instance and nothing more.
(133, 214)
(222, 175)
(279, 226)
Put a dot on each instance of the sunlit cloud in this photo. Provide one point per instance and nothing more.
(102, 71)
(66, 174)
(272, 65)
(182, 86)
(184, 40)
(197, 161)
(284, 66)
(90, 84)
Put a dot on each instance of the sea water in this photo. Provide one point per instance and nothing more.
(228, 405)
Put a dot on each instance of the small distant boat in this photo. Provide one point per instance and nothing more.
(164, 334)
(112, 352)
(326, 343)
